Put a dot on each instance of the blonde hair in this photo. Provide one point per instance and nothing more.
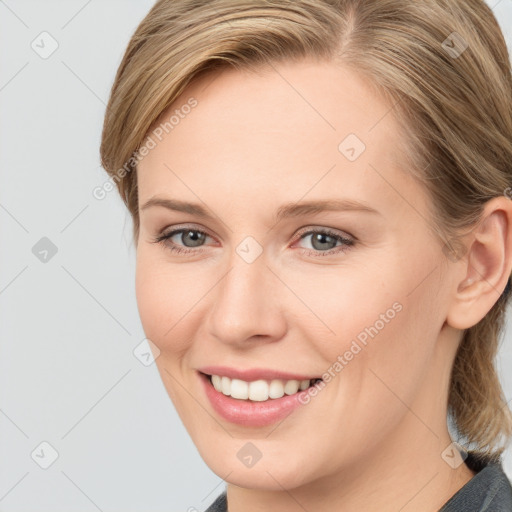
(444, 67)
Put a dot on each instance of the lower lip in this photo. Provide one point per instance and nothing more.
(246, 412)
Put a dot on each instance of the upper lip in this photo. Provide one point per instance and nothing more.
(252, 374)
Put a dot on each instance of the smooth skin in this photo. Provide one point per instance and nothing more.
(372, 438)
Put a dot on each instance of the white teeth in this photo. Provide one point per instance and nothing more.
(240, 389)
(216, 382)
(258, 390)
(291, 387)
(276, 389)
(225, 384)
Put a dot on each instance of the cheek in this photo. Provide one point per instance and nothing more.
(400, 344)
(379, 324)
(164, 306)
(338, 307)
(381, 351)
(163, 300)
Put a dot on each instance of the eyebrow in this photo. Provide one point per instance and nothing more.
(285, 211)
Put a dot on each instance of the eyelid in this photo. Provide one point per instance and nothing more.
(328, 230)
(183, 227)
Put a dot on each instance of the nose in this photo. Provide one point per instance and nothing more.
(248, 304)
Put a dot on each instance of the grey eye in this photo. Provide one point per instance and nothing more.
(196, 238)
(322, 241)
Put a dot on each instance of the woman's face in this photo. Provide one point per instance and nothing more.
(317, 260)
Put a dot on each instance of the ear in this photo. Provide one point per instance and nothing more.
(484, 270)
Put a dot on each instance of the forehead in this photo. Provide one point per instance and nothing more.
(292, 129)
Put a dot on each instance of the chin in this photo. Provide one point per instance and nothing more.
(262, 477)
(272, 472)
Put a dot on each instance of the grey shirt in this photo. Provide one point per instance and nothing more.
(488, 491)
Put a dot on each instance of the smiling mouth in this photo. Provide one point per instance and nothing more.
(260, 390)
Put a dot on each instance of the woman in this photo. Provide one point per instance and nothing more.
(319, 191)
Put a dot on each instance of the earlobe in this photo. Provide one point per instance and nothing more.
(482, 274)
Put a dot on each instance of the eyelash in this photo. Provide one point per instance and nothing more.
(347, 242)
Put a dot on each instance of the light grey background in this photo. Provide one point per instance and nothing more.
(68, 328)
